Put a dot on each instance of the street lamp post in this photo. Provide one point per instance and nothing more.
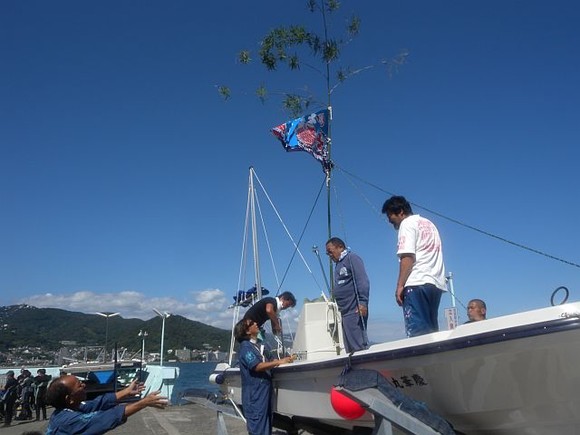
(163, 316)
(142, 334)
(107, 315)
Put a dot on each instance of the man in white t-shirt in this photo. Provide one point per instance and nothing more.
(421, 279)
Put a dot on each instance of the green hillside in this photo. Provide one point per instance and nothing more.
(47, 328)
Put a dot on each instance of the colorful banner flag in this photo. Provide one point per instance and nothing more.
(309, 133)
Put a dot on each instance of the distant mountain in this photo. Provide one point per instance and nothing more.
(25, 325)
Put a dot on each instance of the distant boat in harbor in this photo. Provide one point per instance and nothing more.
(101, 377)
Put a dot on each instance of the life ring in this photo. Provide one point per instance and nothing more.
(555, 292)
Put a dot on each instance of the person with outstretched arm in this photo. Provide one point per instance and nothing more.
(74, 415)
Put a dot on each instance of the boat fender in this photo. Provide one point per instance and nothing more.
(344, 406)
(217, 378)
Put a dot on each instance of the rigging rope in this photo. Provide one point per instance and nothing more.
(452, 291)
(339, 212)
(458, 222)
(268, 243)
(296, 245)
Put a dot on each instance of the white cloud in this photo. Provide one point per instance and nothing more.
(207, 306)
(209, 295)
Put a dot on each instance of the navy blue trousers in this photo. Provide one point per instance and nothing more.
(421, 308)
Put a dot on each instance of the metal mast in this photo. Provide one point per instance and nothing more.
(252, 195)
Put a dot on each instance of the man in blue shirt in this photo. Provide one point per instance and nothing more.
(351, 292)
(74, 415)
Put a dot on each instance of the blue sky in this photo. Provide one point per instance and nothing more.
(123, 175)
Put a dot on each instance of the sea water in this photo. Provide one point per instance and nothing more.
(193, 375)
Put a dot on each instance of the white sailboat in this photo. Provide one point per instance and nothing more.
(515, 374)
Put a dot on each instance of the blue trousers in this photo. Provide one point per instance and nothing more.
(421, 308)
(354, 332)
(257, 405)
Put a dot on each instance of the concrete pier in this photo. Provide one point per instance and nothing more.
(173, 420)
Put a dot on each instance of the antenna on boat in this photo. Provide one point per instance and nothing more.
(451, 289)
(328, 171)
(317, 253)
(451, 313)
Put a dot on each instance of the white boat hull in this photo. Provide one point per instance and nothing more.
(515, 375)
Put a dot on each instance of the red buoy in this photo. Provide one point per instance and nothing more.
(345, 406)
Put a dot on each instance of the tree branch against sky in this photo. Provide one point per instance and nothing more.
(298, 47)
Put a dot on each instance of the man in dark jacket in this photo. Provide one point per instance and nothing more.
(41, 381)
(26, 387)
(351, 291)
(10, 395)
(267, 309)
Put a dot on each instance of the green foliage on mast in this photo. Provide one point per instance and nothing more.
(280, 47)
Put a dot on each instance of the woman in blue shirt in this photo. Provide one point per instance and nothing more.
(256, 378)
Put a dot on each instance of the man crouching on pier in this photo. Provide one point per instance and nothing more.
(74, 415)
